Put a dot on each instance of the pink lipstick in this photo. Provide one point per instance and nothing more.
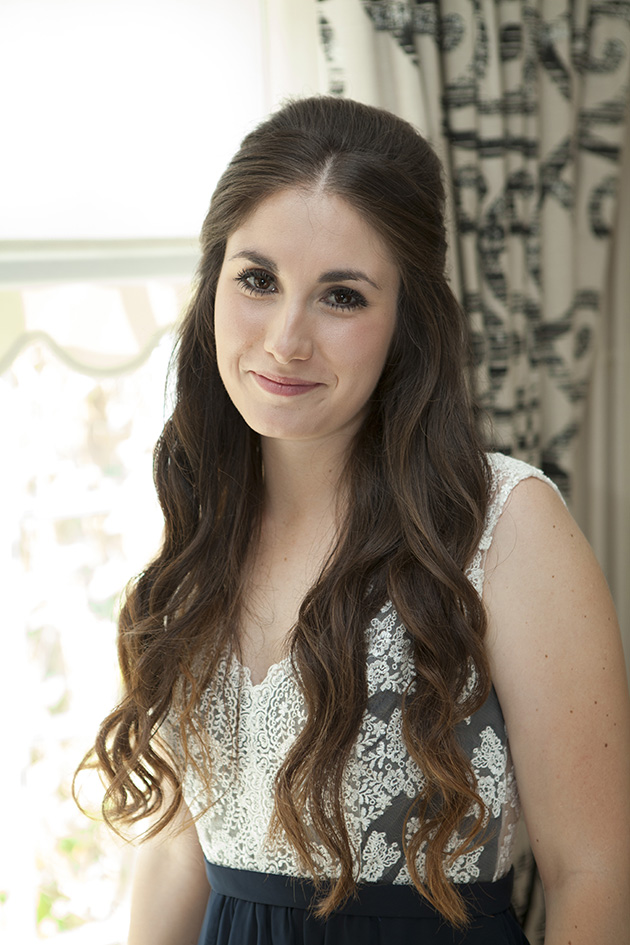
(285, 386)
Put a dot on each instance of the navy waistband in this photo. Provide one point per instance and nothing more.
(376, 899)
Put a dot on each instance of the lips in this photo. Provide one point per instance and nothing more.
(284, 386)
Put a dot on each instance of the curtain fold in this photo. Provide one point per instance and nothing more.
(601, 501)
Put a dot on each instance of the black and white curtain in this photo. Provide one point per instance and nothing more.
(526, 104)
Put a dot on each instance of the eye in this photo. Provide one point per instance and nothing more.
(256, 281)
(344, 299)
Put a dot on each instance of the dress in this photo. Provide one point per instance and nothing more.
(259, 896)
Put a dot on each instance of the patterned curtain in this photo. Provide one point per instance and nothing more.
(526, 104)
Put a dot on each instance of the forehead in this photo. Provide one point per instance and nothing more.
(312, 225)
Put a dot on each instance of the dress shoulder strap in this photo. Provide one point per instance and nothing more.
(506, 473)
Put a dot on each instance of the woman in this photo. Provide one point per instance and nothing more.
(354, 605)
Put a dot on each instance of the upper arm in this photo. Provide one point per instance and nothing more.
(558, 669)
(170, 886)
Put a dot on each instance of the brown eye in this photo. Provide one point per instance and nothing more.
(256, 281)
(344, 299)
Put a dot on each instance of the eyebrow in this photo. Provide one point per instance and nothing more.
(332, 275)
(346, 275)
(256, 258)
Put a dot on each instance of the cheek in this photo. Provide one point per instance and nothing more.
(231, 329)
(227, 338)
(369, 351)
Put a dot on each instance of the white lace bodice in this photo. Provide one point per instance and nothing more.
(381, 779)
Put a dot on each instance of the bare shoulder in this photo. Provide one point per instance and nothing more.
(558, 668)
(537, 540)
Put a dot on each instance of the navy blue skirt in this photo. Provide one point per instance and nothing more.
(247, 908)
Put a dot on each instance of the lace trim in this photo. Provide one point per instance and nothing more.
(507, 473)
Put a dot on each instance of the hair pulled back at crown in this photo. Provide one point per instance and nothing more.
(418, 481)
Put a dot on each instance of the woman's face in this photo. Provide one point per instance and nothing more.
(305, 312)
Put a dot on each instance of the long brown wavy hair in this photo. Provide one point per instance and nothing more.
(419, 483)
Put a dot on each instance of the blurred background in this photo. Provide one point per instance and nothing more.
(118, 118)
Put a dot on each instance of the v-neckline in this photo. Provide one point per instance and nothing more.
(274, 669)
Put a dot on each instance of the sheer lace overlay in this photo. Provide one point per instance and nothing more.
(381, 778)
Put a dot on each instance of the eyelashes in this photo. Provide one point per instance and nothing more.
(351, 299)
(256, 281)
(259, 283)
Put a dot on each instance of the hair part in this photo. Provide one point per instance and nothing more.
(419, 483)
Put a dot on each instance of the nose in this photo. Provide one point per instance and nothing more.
(288, 335)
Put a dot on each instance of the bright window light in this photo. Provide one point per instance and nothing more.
(119, 115)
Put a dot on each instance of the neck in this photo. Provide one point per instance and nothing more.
(302, 480)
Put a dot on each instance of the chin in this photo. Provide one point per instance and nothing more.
(275, 432)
